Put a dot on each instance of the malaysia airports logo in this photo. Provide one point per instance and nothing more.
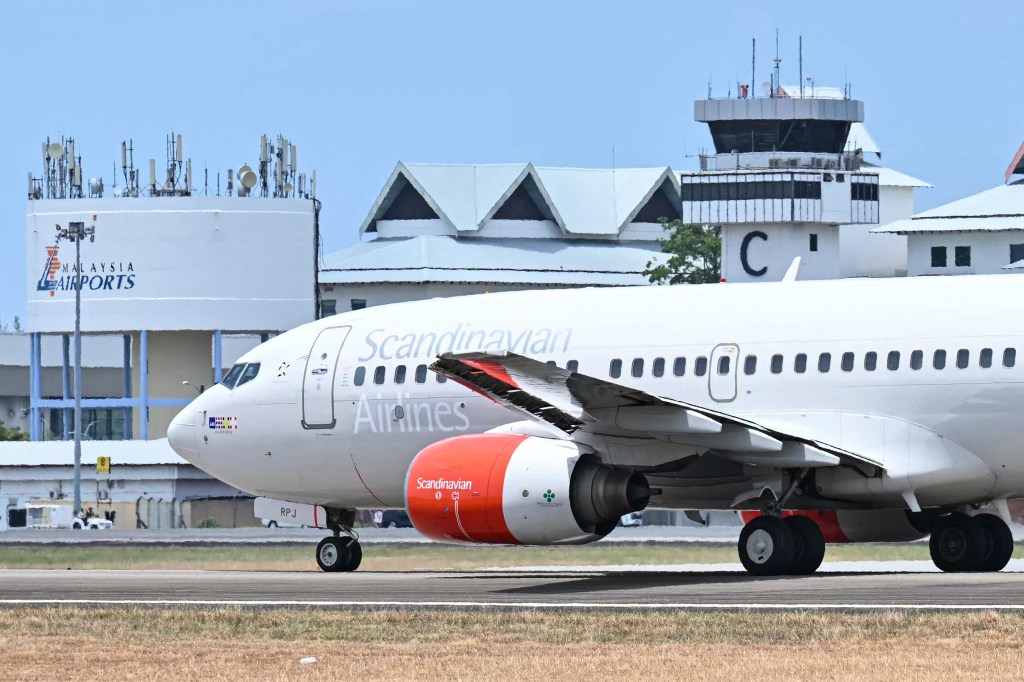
(224, 423)
(94, 276)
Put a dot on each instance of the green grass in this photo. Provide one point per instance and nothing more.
(406, 557)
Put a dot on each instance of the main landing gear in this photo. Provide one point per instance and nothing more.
(770, 545)
(970, 543)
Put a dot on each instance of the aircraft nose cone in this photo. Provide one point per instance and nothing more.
(181, 435)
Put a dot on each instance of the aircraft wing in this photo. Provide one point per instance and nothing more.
(571, 401)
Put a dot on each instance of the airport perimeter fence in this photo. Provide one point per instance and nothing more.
(195, 512)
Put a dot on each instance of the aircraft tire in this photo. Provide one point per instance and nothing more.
(957, 543)
(808, 546)
(999, 544)
(355, 554)
(766, 546)
(333, 554)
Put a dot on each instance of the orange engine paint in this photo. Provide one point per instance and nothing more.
(454, 488)
(827, 520)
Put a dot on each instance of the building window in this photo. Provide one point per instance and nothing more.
(939, 359)
(421, 374)
(916, 360)
(963, 358)
(985, 360)
(938, 256)
(328, 307)
(360, 376)
(615, 368)
(893, 361)
(776, 364)
(1016, 252)
(824, 362)
(962, 256)
(847, 362)
(814, 242)
(870, 361)
(750, 364)
(1009, 357)
(800, 363)
(658, 369)
(700, 367)
(358, 303)
(679, 367)
(637, 370)
(573, 366)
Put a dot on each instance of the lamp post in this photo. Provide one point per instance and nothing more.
(76, 232)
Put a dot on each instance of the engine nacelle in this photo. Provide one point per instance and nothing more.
(865, 525)
(508, 489)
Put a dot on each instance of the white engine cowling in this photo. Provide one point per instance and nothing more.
(509, 489)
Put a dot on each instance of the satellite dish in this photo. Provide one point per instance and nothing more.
(243, 169)
(247, 178)
(287, 188)
(55, 151)
(766, 87)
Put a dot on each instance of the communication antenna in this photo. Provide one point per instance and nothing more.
(152, 177)
(128, 169)
(776, 84)
(753, 62)
(802, 69)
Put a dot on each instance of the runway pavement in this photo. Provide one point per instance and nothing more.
(520, 589)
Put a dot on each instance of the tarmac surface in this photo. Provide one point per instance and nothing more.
(581, 588)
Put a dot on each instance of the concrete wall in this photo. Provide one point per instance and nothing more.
(990, 251)
(863, 254)
(776, 253)
(173, 357)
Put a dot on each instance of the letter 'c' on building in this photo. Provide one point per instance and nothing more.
(749, 237)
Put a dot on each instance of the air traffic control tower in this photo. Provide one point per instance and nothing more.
(781, 181)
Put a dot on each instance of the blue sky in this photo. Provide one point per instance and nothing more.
(361, 85)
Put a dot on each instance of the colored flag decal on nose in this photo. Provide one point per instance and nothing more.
(224, 423)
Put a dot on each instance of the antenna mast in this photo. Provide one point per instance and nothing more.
(775, 76)
(802, 68)
(753, 62)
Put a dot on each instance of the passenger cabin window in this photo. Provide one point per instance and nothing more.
(232, 376)
(916, 359)
(679, 367)
(870, 361)
(360, 376)
(963, 358)
(378, 375)
(615, 368)
(400, 374)
(658, 368)
(776, 364)
(637, 369)
(846, 364)
(893, 361)
(700, 366)
(724, 365)
(824, 362)
(750, 365)
(421, 374)
(1009, 357)
(939, 359)
(248, 374)
(985, 359)
(800, 363)
(572, 366)
(441, 379)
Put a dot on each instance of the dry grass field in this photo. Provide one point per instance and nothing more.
(77, 644)
(402, 557)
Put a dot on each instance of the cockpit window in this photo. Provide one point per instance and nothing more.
(232, 376)
(248, 374)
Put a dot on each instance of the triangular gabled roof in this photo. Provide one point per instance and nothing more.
(668, 180)
(394, 186)
(528, 171)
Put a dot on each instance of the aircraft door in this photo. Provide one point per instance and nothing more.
(723, 371)
(318, 379)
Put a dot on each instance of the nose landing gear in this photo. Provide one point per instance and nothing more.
(339, 554)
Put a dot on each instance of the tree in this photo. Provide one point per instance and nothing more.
(695, 255)
(11, 433)
(17, 324)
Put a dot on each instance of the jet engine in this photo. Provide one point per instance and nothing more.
(865, 525)
(509, 489)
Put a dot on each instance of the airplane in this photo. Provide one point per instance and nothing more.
(862, 410)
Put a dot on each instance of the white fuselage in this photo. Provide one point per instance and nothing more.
(342, 434)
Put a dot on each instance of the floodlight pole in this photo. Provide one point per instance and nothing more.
(76, 232)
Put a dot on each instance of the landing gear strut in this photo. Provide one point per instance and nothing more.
(339, 553)
(970, 543)
(770, 545)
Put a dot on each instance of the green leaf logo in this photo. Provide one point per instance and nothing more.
(549, 496)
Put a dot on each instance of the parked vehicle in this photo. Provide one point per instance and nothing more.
(392, 518)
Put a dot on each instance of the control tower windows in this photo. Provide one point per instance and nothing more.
(827, 137)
